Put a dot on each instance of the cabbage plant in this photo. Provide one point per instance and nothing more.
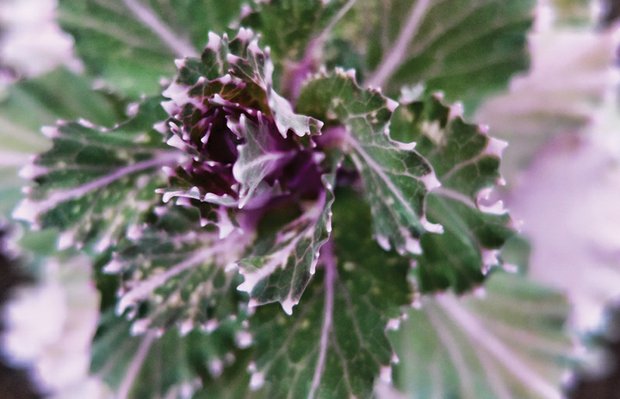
(289, 198)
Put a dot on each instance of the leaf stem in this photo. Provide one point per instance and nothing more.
(77, 192)
(136, 364)
(479, 334)
(329, 262)
(297, 72)
(394, 58)
(179, 46)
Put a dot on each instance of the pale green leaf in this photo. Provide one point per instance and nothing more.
(132, 43)
(30, 104)
(509, 344)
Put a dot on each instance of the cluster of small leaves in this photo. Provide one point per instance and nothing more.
(265, 231)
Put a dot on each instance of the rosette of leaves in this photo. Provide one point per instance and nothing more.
(287, 230)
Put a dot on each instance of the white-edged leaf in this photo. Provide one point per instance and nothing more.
(174, 271)
(94, 181)
(358, 288)
(257, 158)
(280, 268)
(465, 160)
(396, 177)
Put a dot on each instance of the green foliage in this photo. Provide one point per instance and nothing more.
(132, 44)
(507, 344)
(151, 365)
(281, 264)
(335, 345)
(208, 219)
(94, 181)
(466, 162)
(466, 48)
(173, 271)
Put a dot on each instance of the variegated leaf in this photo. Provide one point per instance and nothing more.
(358, 288)
(395, 176)
(175, 268)
(132, 43)
(466, 162)
(281, 265)
(94, 181)
(509, 344)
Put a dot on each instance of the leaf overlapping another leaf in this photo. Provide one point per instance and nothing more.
(396, 178)
(402, 160)
(173, 271)
(280, 267)
(466, 162)
(226, 114)
(358, 288)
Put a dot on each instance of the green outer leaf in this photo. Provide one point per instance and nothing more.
(466, 48)
(30, 104)
(94, 182)
(396, 178)
(173, 271)
(352, 301)
(132, 43)
(511, 344)
(150, 366)
(466, 162)
(233, 383)
(288, 26)
(281, 269)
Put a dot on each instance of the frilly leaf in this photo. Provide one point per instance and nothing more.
(173, 271)
(466, 161)
(281, 265)
(239, 73)
(358, 288)
(396, 177)
(94, 181)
